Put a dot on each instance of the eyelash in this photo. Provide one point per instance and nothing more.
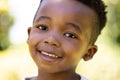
(69, 34)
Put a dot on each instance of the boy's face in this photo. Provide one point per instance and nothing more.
(61, 34)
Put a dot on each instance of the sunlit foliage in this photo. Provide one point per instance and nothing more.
(114, 21)
(6, 20)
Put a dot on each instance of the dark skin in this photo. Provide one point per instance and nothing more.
(60, 38)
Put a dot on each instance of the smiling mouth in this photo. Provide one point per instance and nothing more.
(48, 56)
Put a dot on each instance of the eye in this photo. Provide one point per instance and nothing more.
(42, 27)
(71, 35)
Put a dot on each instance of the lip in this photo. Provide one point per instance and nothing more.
(48, 56)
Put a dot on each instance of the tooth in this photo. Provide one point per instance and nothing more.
(44, 53)
(51, 55)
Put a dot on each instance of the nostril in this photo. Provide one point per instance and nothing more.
(54, 44)
(45, 42)
(51, 40)
(51, 43)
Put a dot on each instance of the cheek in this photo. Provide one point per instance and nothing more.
(34, 39)
(75, 50)
(71, 46)
(74, 53)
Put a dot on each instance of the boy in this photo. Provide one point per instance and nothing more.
(63, 33)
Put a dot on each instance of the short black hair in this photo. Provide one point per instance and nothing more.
(100, 8)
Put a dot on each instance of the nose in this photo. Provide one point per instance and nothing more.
(52, 40)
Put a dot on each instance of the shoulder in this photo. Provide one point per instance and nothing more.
(83, 78)
(30, 78)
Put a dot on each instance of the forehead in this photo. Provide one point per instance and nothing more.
(65, 8)
(64, 5)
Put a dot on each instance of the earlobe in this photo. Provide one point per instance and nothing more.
(91, 52)
(29, 30)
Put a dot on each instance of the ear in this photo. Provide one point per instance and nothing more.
(91, 52)
(29, 30)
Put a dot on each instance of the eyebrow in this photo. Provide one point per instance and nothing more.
(43, 17)
(75, 26)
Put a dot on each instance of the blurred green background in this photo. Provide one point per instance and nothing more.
(16, 63)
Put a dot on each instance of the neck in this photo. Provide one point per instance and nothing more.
(65, 75)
